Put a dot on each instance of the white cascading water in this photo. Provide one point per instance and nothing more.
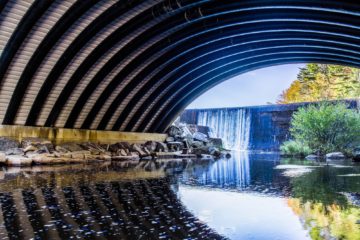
(232, 125)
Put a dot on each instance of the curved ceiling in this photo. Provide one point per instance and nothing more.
(135, 65)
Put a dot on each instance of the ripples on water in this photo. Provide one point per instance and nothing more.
(250, 196)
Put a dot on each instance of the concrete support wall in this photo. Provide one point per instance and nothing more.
(59, 135)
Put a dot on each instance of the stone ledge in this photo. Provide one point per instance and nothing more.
(61, 135)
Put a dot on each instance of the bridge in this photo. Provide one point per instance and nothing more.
(135, 65)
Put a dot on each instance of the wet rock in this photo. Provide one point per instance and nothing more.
(17, 160)
(197, 144)
(198, 136)
(14, 151)
(216, 142)
(214, 151)
(312, 157)
(335, 156)
(6, 143)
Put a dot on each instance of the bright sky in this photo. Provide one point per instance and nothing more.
(253, 88)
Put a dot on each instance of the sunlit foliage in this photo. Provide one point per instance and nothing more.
(316, 82)
(328, 221)
(327, 127)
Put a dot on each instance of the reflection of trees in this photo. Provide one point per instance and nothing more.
(327, 221)
(323, 185)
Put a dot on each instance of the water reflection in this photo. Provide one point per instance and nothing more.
(250, 196)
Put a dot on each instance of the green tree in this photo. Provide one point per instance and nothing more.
(327, 127)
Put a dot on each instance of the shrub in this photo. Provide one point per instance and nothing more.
(295, 148)
(327, 127)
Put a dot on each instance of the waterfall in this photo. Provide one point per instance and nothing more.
(232, 125)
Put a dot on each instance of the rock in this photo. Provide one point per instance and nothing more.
(228, 155)
(216, 142)
(170, 139)
(335, 156)
(151, 146)
(312, 157)
(200, 137)
(14, 151)
(17, 160)
(31, 148)
(174, 131)
(197, 144)
(2, 157)
(7, 143)
(123, 152)
(214, 151)
(104, 157)
(43, 149)
(71, 147)
(175, 146)
(161, 147)
(44, 144)
(61, 149)
(137, 148)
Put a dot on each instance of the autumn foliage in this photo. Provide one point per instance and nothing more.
(317, 82)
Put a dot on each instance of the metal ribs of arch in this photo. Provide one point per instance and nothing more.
(163, 55)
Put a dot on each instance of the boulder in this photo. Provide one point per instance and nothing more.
(30, 148)
(151, 146)
(137, 148)
(6, 143)
(200, 137)
(14, 151)
(174, 131)
(17, 160)
(335, 156)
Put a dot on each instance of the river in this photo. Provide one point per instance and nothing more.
(249, 196)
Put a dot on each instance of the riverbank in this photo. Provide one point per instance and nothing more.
(180, 142)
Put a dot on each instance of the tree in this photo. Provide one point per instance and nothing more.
(327, 127)
(317, 82)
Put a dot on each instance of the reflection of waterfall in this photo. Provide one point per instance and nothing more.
(232, 125)
(223, 173)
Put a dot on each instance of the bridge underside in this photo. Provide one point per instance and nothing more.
(135, 65)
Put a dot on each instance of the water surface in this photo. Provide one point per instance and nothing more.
(250, 196)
